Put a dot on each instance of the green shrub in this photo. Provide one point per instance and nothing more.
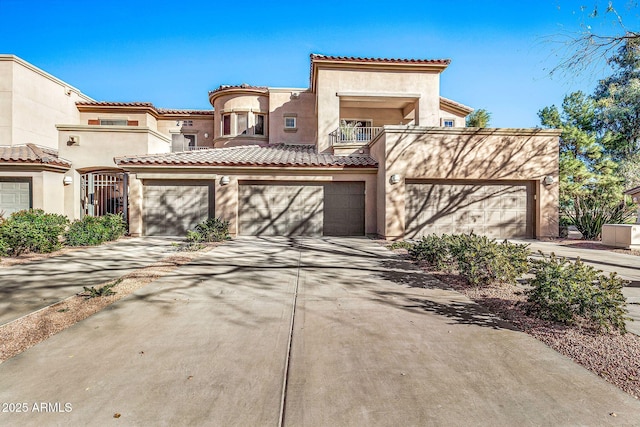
(435, 250)
(94, 230)
(32, 230)
(477, 258)
(565, 291)
(103, 291)
(482, 260)
(211, 230)
(400, 244)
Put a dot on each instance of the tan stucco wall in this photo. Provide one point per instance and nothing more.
(459, 119)
(465, 154)
(330, 82)
(202, 128)
(299, 102)
(47, 188)
(32, 102)
(239, 102)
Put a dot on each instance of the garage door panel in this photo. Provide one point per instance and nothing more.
(308, 209)
(498, 211)
(14, 196)
(171, 210)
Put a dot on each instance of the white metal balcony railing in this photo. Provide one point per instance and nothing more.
(193, 148)
(353, 135)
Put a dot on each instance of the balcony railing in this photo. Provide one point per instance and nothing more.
(192, 148)
(353, 135)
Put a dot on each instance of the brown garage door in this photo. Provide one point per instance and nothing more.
(172, 208)
(296, 209)
(15, 195)
(499, 210)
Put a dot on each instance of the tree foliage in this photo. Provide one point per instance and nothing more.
(479, 118)
(591, 191)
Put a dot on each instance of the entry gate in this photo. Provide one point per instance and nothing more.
(104, 192)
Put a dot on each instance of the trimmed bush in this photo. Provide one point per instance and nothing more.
(94, 230)
(211, 230)
(32, 230)
(478, 259)
(565, 291)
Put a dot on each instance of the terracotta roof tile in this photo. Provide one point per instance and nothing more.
(241, 86)
(149, 105)
(31, 154)
(315, 56)
(295, 155)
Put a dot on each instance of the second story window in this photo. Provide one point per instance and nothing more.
(243, 122)
(259, 126)
(448, 123)
(113, 122)
(226, 124)
(290, 123)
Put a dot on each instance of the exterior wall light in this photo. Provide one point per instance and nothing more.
(548, 180)
(395, 178)
(67, 180)
(224, 180)
(206, 135)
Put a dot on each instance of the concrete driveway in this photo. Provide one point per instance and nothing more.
(312, 332)
(25, 288)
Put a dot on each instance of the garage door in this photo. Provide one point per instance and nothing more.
(14, 196)
(294, 209)
(495, 210)
(170, 209)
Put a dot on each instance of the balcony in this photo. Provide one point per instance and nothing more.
(353, 134)
(193, 148)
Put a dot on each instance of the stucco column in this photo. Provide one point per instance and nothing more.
(226, 203)
(135, 205)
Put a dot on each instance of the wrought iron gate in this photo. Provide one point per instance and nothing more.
(104, 192)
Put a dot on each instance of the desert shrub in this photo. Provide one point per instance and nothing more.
(477, 258)
(103, 291)
(401, 244)
(94, 230)
(565, 291)
(32, 230)
(482, 260)
(434, 250)
(211, 230)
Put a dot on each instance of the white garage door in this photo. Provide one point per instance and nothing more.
(14, 196)
(498, 210)
(170, 209)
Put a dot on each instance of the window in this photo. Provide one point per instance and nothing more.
(259, 127)
(187, 123)
(290, 123)
(226, 124)
(191, 142)
(448, 123)
(243, 122)
(113, 122)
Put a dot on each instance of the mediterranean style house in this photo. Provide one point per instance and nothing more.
(369, 148)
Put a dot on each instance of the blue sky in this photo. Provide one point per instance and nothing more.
(173, 53)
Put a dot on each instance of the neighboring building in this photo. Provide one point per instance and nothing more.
(369, 148)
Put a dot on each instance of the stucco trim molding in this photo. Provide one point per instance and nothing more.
(403, 129)
(113, 129)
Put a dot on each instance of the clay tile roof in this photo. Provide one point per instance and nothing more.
(454, 104)
(278, 155)
(31, 154)
(149, 105)
(315, 56)
(241, 86)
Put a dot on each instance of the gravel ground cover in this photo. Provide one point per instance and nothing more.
(612, 356)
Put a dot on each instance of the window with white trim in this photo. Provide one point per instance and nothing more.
(290, 122)
(242, 120)
(448, 123)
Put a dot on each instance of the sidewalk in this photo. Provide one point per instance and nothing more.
(626, 266)
(28, 287)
